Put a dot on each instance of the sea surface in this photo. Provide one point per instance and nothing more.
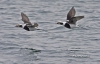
(53, 43)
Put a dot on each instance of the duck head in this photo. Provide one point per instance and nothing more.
(61, 23)
(19, 25)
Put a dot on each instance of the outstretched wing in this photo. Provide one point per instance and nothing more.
(25, 19)
(75, 19)
(71, 13)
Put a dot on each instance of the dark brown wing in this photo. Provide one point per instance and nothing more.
(75, 19)
(71, 13)
(25, 19)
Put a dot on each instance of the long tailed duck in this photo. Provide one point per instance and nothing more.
(71, 19)
(27, 24)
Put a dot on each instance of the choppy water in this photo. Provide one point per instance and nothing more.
(54, 44)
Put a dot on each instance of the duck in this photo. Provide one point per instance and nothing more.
(27, 24)
(71, 19)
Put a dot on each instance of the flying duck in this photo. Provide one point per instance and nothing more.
(27, 24)
(71, 19)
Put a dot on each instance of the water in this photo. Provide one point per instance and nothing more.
(54, 44)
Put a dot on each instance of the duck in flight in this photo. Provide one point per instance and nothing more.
(27, 24)
(71, 19)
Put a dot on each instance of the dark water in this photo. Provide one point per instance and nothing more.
(54, 44)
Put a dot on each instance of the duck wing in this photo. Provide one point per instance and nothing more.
(75, 19)
(71, 13)
(25, 19)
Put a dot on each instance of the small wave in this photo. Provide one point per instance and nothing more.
(80, 56)
(33, 50)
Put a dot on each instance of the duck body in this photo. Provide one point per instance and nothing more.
(67, 25)
(26, 28)
(29, 28)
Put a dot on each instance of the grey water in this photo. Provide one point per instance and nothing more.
(53, 44)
